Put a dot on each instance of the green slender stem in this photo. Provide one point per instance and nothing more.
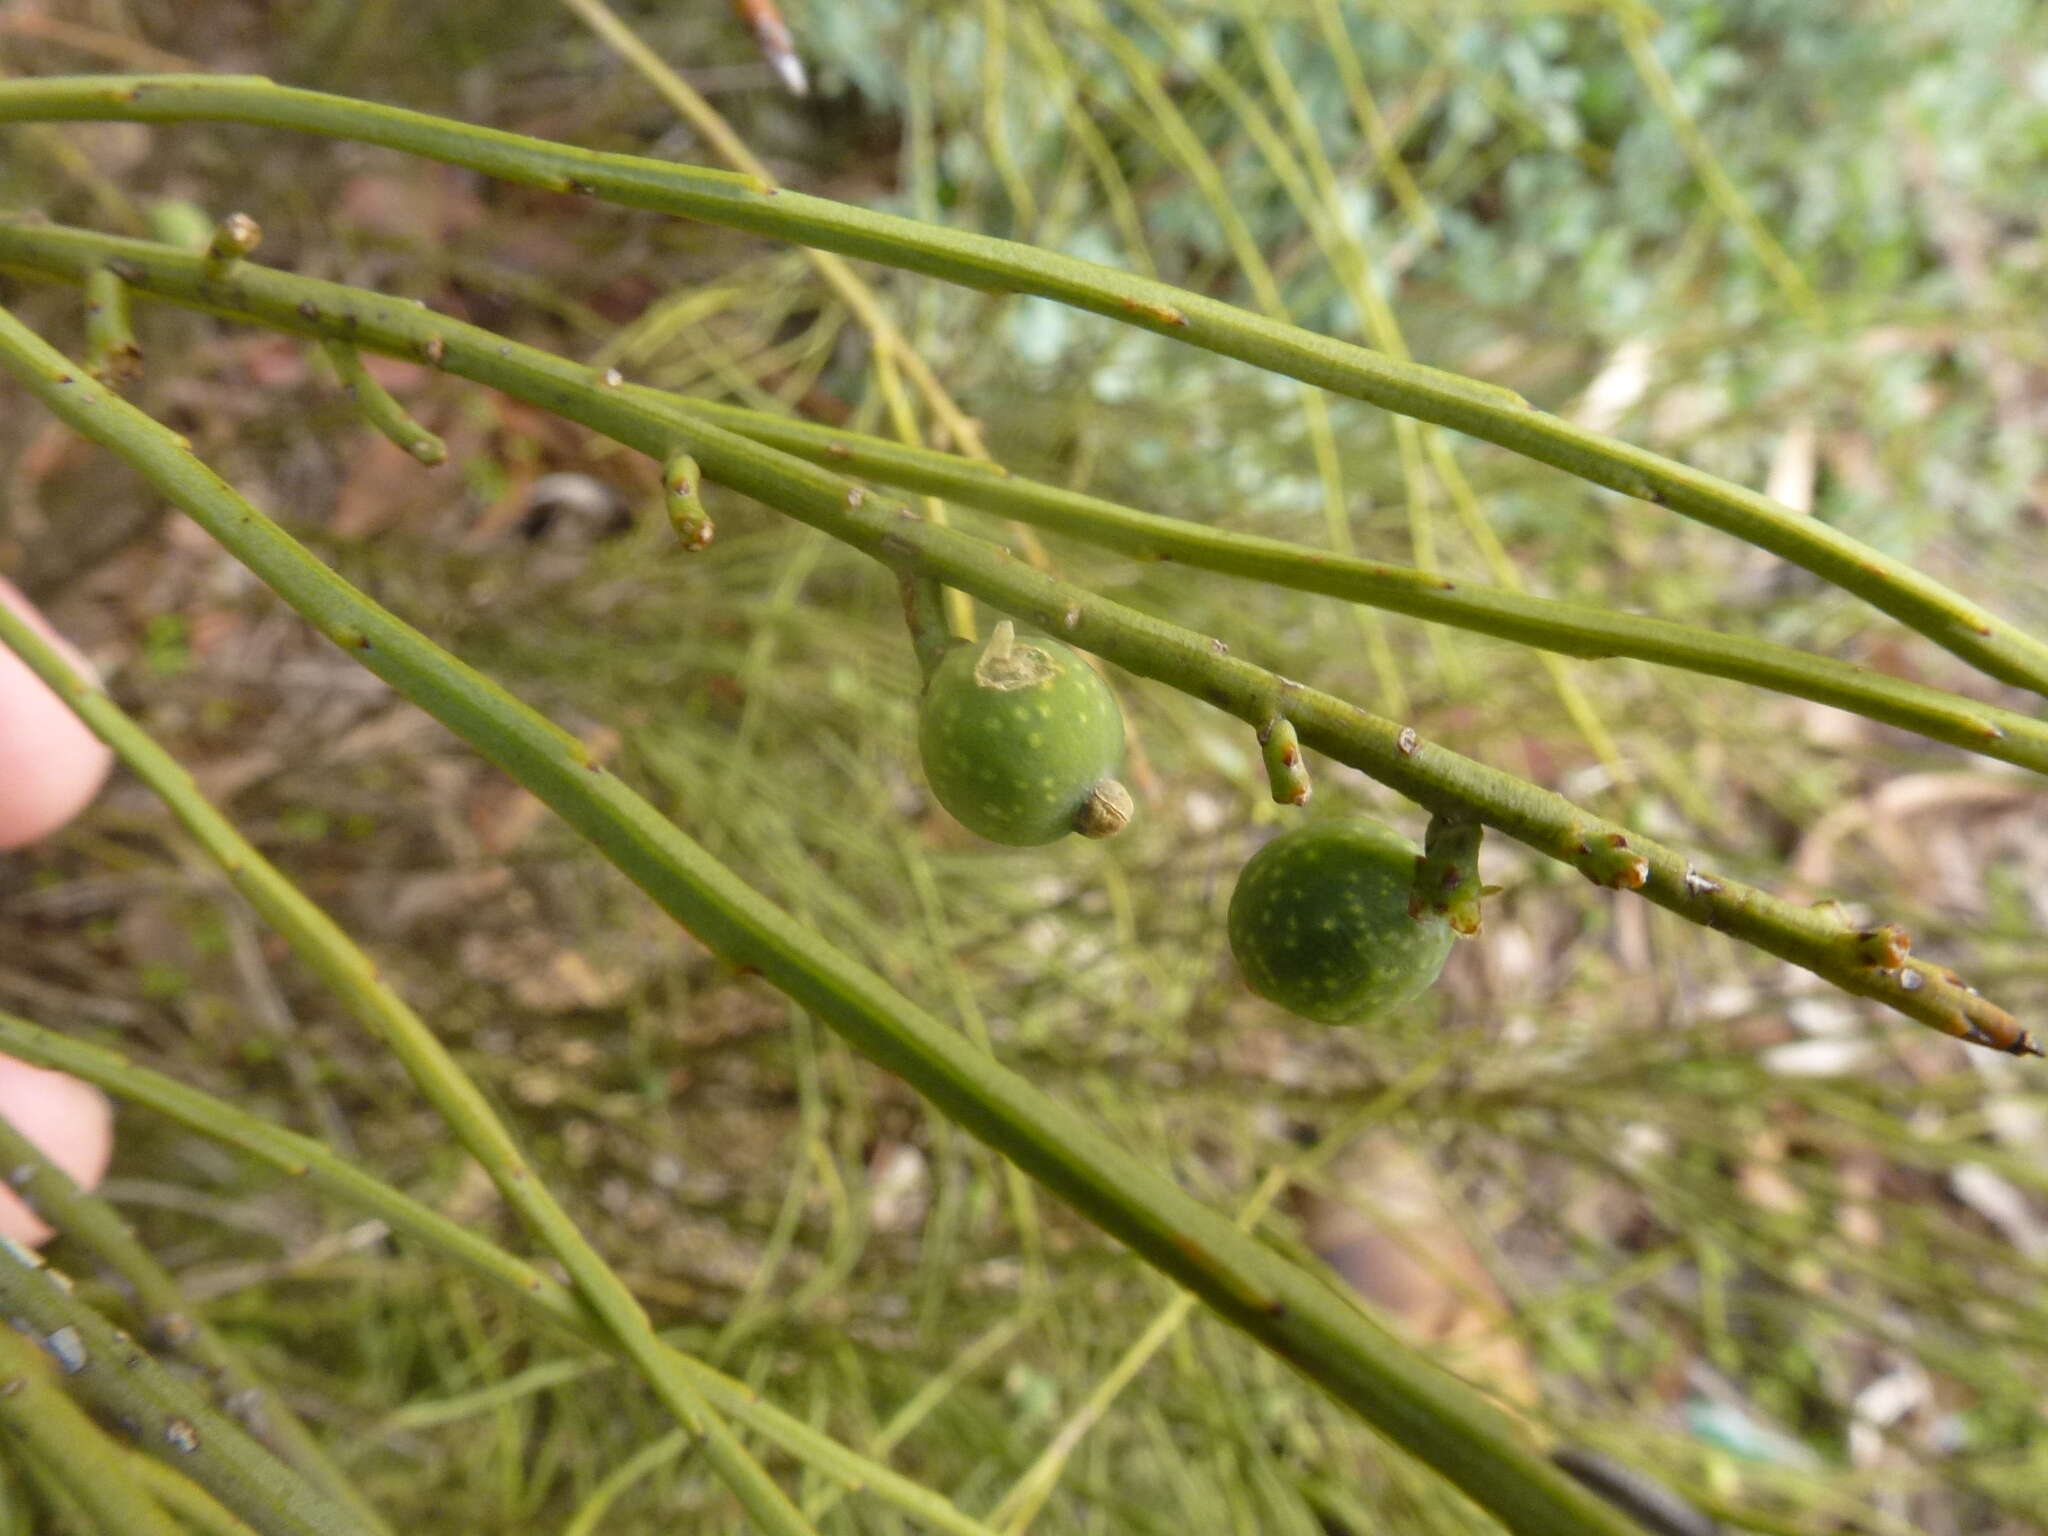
(111, 353)
(1571, 629)
(378, 406)
(1420, 1407)
(52, 1502)
(643, 1463)
(167, 1416)
(74, 1451)
(979, 261)
(1437, 778)
(352, 976)
(1447, 874)
(195, 1508)
(94, 1225)
(263, 885)
(924, 612)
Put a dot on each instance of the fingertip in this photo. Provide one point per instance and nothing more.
(51, 766)
(71, 1121)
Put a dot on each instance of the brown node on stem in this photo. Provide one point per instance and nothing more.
(1608, 860)
(1884, 946)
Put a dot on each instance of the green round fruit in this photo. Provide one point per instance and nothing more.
(1319, 922)
(1020, 739)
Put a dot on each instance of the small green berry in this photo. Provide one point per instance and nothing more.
(1020, 739)
(1320, 924)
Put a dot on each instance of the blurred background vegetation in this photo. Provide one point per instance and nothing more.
(1676, 1203)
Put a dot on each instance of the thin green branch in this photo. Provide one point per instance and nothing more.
(111, 352)
(1372, 123)
(165, 1414)
(1183, 144)
(892, 348)
(75, 1452)
(643, 1463)
(924, 611)
(160, 1306)
(196, 1509)
(1608, 854)
(981, 261)
(264, 296)
(379, 408)
(847, 285)
(1635, 24)
(320, 1168)
(1571, 629)
(1420, 1407)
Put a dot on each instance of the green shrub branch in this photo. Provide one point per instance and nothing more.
(1411, 1401)
(1444, 781)
(1571, 629)
(984, 262)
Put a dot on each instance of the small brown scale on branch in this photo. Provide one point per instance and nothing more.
(1605, 858)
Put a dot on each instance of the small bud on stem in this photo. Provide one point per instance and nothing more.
(680, 480)
(1607, 859)
(1884, 946)
(233, 238)
(1286, 768)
